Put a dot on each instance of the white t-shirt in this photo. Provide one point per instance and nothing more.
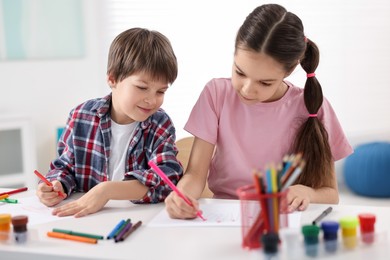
(120, 140)
(248, 137)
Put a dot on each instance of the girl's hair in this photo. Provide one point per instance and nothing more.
(141, 50)
(272, 30)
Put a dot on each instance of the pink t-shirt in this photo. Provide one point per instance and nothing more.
(249, 137)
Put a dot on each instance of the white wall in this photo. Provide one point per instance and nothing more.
(353, 37)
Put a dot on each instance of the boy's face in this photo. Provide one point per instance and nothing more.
(136, 97)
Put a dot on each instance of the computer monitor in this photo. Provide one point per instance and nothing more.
(17, 152)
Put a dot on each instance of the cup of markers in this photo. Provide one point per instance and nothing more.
(264, 204)
(264, 218)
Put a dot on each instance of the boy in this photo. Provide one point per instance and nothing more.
(107, 142)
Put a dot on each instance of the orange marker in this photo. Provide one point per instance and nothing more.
(72, 237)
(48, 182)
(3, 196)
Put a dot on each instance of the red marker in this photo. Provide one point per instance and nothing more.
(14, 191)
(48, 183)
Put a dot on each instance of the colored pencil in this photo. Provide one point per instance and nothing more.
(172, 186)
(291, 169)
(294, 176)
(261, 222)
(80, 234)
(72, 237)
(14, 191)
(40, 176)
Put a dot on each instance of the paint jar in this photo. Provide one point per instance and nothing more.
(367, 227)
(330, 230)
(270, 243)
(291, 242)
(260, 214)
(310, 234)
(20, 228)
(5, 227)
(349, 231)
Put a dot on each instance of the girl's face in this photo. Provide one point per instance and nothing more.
(136, 97)
(257, 77)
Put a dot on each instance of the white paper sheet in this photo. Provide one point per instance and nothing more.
(31, 206)
(216, 214)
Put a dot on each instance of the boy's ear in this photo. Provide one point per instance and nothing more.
(111, 80)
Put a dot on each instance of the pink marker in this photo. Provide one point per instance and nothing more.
(173, 187)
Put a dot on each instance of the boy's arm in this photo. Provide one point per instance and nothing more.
(162, 151)
(63, 165)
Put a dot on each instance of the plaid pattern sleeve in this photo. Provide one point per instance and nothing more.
(82, 150)
(64, 162)
(155, 142)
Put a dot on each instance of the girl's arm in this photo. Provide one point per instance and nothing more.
(299, 196)
(194, 179)
(192, 183)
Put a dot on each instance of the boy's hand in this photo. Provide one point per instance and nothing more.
(89, 203)
(48, 195)
(178, 208)
(297, 197)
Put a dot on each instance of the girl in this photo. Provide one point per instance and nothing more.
(256, 117)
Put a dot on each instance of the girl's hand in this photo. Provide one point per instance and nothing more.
(48, 195)
(178, 208)
(89, 203)
(298, 198)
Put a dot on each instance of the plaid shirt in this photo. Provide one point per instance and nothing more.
(84, 151)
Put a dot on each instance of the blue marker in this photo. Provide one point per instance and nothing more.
(118, 226)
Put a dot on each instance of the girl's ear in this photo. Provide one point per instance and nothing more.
(291, 71)
(111, 81)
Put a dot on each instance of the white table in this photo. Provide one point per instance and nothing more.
(173, 242)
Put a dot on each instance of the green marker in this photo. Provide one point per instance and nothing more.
(69, 232)
(6, 200)
(121, 228)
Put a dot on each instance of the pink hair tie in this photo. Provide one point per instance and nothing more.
(312, 115)
(310, 75)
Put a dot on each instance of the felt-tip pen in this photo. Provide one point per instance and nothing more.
(322, 215)
(69, 232)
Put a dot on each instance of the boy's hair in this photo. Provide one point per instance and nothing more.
(272, 30)
(141, 50)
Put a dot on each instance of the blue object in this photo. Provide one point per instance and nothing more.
(367, 170)
(59, 132)
(330, 230)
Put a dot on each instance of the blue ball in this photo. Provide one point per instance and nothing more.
(367, 170)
